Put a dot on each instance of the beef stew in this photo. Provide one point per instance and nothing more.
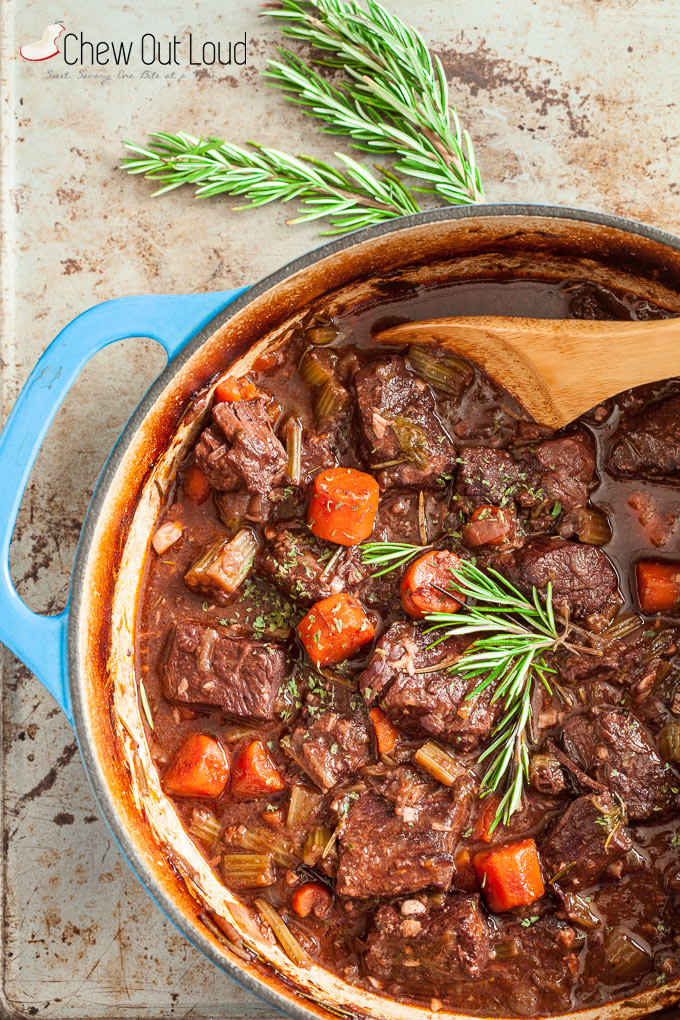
(352, 805)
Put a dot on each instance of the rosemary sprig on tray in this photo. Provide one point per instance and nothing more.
(394, 105)
(396, 101)
(350, 199)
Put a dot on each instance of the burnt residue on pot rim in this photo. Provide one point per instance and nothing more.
(492, 235)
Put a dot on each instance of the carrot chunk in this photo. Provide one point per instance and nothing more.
(233, 390)
(422, 584)
(311, 898)
(489, 525)
(254, 773)
(386, 734)
(509, 876)
(200, 768)
(343, 505)
(196, 486)
(335, 629)
(482, 827)
(658, 586)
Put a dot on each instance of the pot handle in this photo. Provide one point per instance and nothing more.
(40, 641)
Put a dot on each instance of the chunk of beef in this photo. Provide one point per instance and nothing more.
(236, 504)
(426, 703)
(317, 454)
(285, 503)
(404, 786)
(240, 450)
(555, 472)
(488, 476)
(650, 677)
(567, 469)
(332, 738)
(611, 745)
(397, 420)
(382, 854)
(636, 668)
(575, 669)
(648, 441)
(211, 456)
(643, 666)
(468, 924)
(436, 940)
(547, 774)
(583, 579)
(256, 455)
(301, 566)
(397, 517)
(205, 669)
(578, 779)
(588, 837)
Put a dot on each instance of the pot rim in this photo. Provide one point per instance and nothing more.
(106, 803)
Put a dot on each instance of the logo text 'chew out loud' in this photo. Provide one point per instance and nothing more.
(149, 50)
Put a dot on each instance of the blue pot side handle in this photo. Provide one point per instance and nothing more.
(40, 641)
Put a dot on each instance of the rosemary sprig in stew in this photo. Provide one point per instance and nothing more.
(511, 633)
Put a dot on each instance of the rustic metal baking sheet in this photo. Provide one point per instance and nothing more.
(574, 103)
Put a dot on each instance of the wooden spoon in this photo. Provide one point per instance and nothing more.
(556, 368)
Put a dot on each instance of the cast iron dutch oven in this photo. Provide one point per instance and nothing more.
(85, 656)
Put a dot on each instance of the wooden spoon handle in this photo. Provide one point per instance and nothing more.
(557, 368)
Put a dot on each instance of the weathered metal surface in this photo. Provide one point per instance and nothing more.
(572, 103)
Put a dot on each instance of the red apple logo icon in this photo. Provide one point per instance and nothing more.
(46, 45)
